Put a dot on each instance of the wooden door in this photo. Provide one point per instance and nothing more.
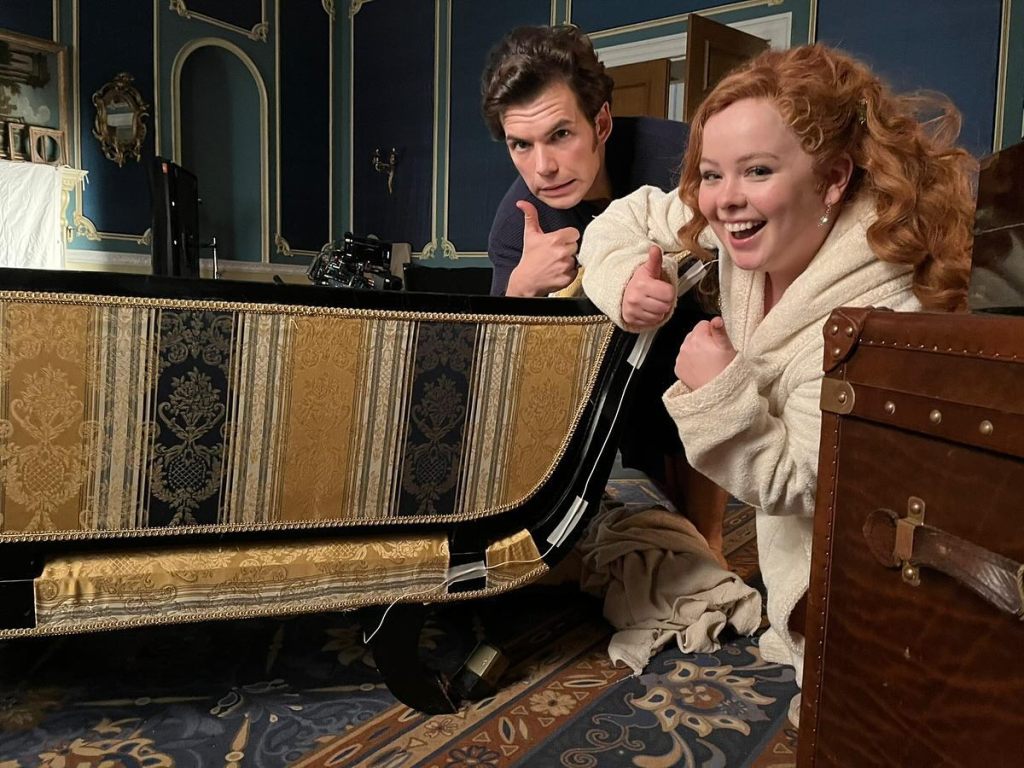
(641, 89)
(712, 49)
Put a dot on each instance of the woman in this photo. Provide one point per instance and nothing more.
(817, 188)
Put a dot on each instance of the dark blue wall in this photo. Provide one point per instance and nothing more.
(480, 169)
(950, 46)
(603, 14)
(393, 104)
(305, 96)
(27, 17)
(242, 13)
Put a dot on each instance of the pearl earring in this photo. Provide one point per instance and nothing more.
(828, 212)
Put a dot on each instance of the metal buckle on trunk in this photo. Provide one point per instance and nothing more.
(904, 547)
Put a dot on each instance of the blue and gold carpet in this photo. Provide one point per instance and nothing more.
(304, 692)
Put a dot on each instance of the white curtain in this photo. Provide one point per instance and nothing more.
(31, 221)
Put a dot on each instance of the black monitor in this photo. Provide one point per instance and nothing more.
(175, 202)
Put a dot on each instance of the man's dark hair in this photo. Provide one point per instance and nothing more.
(529, 59)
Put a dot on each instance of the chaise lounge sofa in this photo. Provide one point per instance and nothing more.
(175, 451)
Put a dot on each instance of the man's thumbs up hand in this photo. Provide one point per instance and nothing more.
(548, 262)
(531, 226)
(648, 297)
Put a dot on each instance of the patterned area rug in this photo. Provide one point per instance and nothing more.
(304, 692)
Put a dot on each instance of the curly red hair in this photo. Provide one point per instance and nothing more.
(920, 180)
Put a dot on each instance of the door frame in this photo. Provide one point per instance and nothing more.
(777, 29)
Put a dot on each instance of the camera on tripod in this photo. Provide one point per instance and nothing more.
(355, 262)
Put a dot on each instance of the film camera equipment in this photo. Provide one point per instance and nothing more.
(355, 262)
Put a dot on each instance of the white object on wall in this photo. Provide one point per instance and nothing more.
(31, 219)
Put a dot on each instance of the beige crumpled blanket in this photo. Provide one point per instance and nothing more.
(661, 582)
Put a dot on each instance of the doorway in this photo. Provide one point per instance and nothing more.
(637, 67)
(221, 136)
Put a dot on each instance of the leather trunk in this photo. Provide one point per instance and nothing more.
(915, 644)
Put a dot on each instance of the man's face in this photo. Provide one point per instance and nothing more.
(556, 149)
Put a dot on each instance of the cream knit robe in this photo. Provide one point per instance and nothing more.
(755, 428)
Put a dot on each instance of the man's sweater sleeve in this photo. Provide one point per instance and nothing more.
(505, 250)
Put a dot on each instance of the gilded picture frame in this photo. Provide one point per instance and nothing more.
(17, 135)
(46, 145)
(33, 83)
(120, 119)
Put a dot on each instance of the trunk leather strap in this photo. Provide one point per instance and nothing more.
(999, 580)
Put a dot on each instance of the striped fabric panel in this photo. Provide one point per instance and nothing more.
(529, 385)
(124, 367)
(381, 427)
(544, 402)
(252, 470)
(487, 443)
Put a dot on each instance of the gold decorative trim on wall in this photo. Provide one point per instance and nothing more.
(259, 31)
(438, 233)
(179, 61)
(355, 6)
(447, 249)
(1001, 76)
(282, 247)
(157, 85)
(70, 180)
(85, 228)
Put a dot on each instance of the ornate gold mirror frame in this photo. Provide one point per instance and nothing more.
(119, 125)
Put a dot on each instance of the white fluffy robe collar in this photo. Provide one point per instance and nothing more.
(840, 273)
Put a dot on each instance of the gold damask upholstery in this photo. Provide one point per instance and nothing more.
(122, 414)
(117, 589)
(103, 590)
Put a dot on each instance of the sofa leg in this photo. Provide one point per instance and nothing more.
(396, 651)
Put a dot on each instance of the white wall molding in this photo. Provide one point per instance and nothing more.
(102, 259)
(776, 29)
(142, 262)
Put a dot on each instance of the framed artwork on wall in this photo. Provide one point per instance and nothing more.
(33, 83)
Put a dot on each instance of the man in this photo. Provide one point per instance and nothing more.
(548, 97)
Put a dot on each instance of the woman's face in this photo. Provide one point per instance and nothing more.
(759, 193)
